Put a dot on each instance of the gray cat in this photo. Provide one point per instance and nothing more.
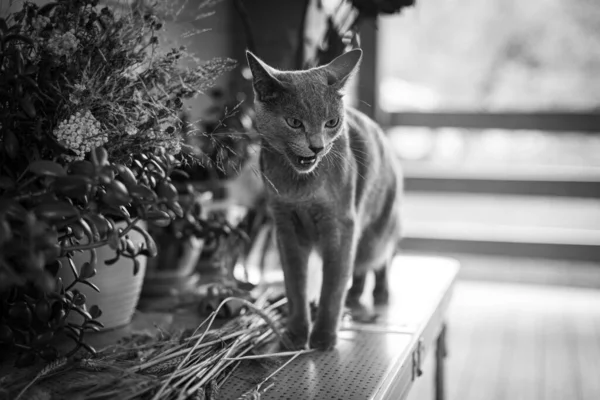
(334, 186)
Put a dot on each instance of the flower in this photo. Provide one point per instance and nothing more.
(78, 92)
(64, 44)
(81, 133)
(131, 130)
(40, 22)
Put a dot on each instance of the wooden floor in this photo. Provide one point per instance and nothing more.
(516, 341)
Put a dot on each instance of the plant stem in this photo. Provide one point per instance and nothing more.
(99, 243)
(183, 351)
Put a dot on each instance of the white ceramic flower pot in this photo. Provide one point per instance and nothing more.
(173, 269)
(119, 287)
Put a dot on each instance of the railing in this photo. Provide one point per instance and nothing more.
(583, 183)
(588, 122)
(565, 244)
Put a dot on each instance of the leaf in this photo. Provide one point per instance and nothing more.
(113, 239)
(151, 247)
(82, 167)
(136, 266)
(93, 323)
(90, 284)
(126, 175)
(11, 144)
(6, 183)
(89, 230)
(18, 59)
(73, 268)
(56, 210)
(180, 175)
(89, 348)
(47, 8)
(99, 156)
(116, 194)
(73, 185)
(92, 328)
(18, 37)
(27, 106)
(43, 338)
(31, 69)
(76, 230)
(5, 231)
(79, 310)
(166, 190)
(13, 210)
(93, 258)
(112, 261)
(42, 310)
(79, 299)
(20, 311)
(49, 353)
(176, 208)
(95, 312)
(107, 174)
(47, 168)
(99, 225)
(143, 193)
(158, 218)
(87, 271)
(53, 267)
(129, 246)
(6, 334)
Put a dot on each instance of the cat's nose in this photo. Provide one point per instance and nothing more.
(316, 150)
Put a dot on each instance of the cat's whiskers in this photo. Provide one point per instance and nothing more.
(355, 168)
(339, 161)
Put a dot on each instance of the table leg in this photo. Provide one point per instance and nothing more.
(440, 355)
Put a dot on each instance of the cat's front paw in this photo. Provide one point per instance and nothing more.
(323, 340)
(296, 337)
(381, 297)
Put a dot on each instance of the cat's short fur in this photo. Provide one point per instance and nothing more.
(334, 186)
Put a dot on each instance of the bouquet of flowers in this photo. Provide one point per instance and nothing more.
(79, 77)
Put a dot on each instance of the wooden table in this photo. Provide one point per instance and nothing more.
(375, 361)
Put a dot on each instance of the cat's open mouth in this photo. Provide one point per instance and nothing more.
(307, 160)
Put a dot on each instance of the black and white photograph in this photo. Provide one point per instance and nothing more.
(299, 200)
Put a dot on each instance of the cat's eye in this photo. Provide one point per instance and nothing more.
(332, 123)
(293, 122)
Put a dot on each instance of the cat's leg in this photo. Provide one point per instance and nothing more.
(294, 255)
(359, 311)
(381, 291)
(338, 251)
(356, 290)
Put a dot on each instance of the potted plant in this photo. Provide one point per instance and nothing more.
(89, 126)
(220, 146)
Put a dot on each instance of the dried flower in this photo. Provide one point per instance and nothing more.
(131, 130)
(81, 133)
(64, 44)
(40, 22)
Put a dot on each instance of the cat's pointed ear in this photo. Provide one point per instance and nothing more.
(342, 68)
(266, 85)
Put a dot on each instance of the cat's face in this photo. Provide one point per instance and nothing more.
(301, 113)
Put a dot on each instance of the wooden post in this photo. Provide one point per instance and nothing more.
(367, 79)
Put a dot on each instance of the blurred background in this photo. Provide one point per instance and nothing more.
(494, 108)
